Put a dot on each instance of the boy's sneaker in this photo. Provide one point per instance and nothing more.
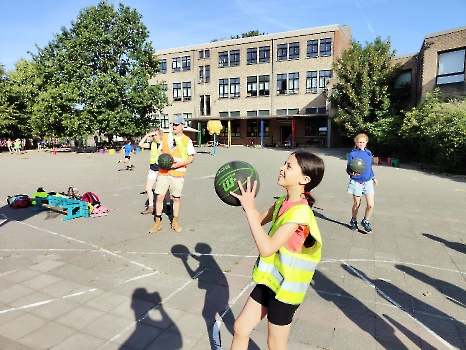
(118, 160)
(366, 225)
(354, 225)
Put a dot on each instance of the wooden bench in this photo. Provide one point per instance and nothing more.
(72, 208)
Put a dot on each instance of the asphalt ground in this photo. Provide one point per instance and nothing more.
(106, 283)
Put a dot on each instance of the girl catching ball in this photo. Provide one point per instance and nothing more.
(289, 252)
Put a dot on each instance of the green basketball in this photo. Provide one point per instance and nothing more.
(227, 177)
(165, 161)
(357, 165)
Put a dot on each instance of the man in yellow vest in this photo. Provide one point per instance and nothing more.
(182, 150)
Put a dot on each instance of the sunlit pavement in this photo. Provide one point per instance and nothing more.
(106, 283)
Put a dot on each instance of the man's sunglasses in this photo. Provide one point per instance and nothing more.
(175, 124)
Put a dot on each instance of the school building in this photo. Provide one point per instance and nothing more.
(440, 63)
(274, 83)
(266, 88)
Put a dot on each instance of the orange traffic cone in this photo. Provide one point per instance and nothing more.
(54, 151)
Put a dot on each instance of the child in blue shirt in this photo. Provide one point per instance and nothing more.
(127, 149)
(361, 183)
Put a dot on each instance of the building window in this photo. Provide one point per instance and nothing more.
(264, 85)
(293, 111)
(293, 51)
(223, 114)
(186, 62)
(252, 55)
(281, 84)
(326, 47)
(201, 74)
(163, 66)
(282, 111)
(204, 54)
(234, 87)
(451, 67)
(282, 52)
(176, 64)
(311, 82)
(251, 113)
(207, 74)
(204, 74)
(263, 112)
(187, 91)
(165, 89)
(264, 54)
(252, 128)
(235, 128)
(403, 80)
(324, 76)
(163, 120)
(204, 105)
(176, 91)
(252, 86)
(235, 113)
(188, 117)
(234, 58)
(223, 59)
(223, 88)
(293, 83)
(313, 48)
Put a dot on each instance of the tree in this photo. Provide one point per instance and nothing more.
(361, 95)
(96, 76)
(19, 89)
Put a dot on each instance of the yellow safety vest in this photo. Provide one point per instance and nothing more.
(179, 154)
(154, 152)
(285, 272)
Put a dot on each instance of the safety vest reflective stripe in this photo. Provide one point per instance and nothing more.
(289, 273)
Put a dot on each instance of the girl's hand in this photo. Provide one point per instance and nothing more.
(247, 197)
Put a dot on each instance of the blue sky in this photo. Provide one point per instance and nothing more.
(24, 23)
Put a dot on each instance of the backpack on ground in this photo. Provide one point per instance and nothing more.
(19, 201)
(91, 198)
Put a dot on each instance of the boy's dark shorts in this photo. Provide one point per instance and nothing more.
(279, 313)
(128, 157)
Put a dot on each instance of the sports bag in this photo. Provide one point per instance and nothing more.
(91, 198)
(19, 201)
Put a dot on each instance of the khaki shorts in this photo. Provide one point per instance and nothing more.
(165, 183)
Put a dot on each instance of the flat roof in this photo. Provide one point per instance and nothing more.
(228, 42)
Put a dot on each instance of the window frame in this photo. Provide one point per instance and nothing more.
(186, 63)
(282, 84)
(458, 76)
(235, 87)
(176, 92)
(325, 47)
(234, 58)
(282, 52)
(223, 88)
(264, 54)
(311, 82)
(252, 55)
(312, 48)
(264, 85)
(252, 87)
(223, 59)
(176, 64)
(293, 50)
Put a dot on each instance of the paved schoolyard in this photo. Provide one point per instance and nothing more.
(106, 283)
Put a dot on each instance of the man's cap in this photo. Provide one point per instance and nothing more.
(179, 120)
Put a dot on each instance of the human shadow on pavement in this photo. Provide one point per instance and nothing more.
(149, 330)
(211, 278)
(459, 247)
(362, 316)
(446, 328)
(453, 293)
(8, 214)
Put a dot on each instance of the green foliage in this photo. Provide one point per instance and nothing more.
(361, 95)
(95, 76)
(435, 132)
(19, 90)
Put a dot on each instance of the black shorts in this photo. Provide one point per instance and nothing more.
(278, 313)
(128, 157)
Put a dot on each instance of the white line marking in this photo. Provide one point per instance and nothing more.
(45, 302)
(386, 297)
(139, 277)
(155, 307)
(218, 323)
